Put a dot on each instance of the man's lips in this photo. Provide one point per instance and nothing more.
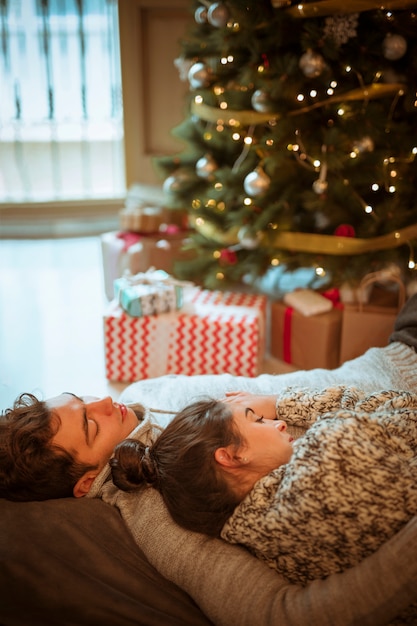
(123, 410)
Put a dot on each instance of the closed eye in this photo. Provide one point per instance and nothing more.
(251, 413)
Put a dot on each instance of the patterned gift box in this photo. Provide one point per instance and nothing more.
(148, 293)
(135, 252)
(215, 332)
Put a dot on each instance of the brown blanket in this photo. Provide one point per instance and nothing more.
(84, 540)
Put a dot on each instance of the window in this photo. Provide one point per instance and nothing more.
(61, 114)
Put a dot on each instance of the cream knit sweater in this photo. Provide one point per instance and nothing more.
(232, 587)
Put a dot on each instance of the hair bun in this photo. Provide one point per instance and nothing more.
(133, 465)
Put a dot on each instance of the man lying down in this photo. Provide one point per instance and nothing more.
(61, 447)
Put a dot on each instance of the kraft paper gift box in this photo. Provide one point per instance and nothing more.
(135, 252)
(307, 342)
(369, 325)
(215, 332)
(149, 293)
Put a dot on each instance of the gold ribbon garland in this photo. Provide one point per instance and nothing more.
(331, 7)
(249, 118)
(312, 243)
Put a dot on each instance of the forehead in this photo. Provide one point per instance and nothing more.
(63, 400)
(241, 412)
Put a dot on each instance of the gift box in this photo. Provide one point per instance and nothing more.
(369, 324)
(148, 293)
(144, 211)
(135, 252)
(307, 342)
(215, 332)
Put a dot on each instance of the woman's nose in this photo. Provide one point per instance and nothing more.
(281, 425)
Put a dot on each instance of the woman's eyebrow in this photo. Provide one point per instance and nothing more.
(249, 410)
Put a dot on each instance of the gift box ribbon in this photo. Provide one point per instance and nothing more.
(331, 294)
(286, 342)
(153, 276)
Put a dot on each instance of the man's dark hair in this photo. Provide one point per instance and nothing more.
(32, 467)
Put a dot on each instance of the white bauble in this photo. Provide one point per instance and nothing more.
(176, 180)
(312, 64)
(199, 75)
(256, 182)
(247, 239)
(260, 101)
(205, 166)
(320, 186)
(218, 14)
(200, 15)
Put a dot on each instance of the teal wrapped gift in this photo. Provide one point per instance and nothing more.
(149, 293)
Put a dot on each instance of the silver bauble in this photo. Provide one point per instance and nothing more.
(394, 47)
(174, 182)
(205, 166)
(260, 101)
(200, 15)
(256, 182)
(218, 14)
(312, 64)
(320, 186)
(247, 239)
(199, 75)
(365, 144)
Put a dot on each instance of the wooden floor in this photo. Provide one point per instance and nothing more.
(51, 306)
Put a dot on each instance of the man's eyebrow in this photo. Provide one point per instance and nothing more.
(69, 393)
(85, 421)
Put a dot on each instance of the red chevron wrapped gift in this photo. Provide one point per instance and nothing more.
(214, 332)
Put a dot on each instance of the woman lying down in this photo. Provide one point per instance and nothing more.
(310, 506)
(311, 481)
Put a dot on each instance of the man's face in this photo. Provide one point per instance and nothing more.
(90, 428)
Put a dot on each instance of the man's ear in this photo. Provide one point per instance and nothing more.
(83, 484)
(226, 457)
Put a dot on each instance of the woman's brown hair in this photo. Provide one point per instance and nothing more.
(181, 466)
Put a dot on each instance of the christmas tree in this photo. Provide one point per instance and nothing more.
(301, 140)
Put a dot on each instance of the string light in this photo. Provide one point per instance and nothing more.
(411, 262)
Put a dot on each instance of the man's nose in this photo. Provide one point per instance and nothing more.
(281, 425)
(103, 405)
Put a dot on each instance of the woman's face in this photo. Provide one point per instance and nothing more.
(267, 442)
